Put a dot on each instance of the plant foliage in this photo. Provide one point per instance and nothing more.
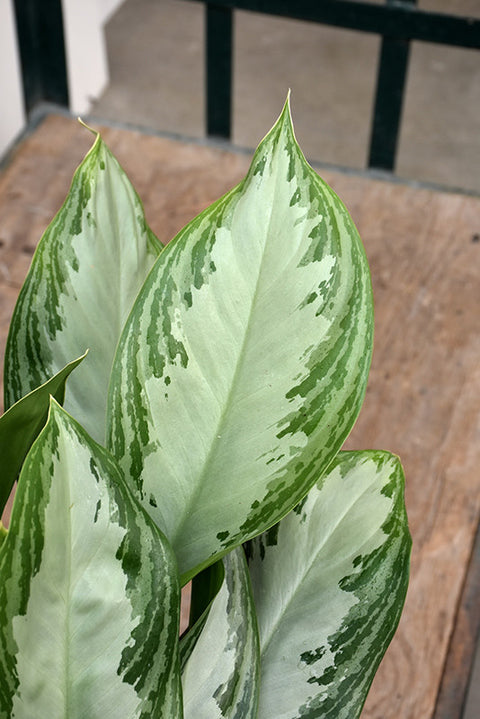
(199, 440)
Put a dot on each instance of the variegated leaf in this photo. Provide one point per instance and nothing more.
(89, 594)
(329, 583)
(20, 425)
(244, 362)
(221, 677)
(85, 274)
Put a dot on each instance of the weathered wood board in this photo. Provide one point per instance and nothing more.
(423, 399)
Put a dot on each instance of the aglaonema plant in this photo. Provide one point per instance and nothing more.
(199, 439)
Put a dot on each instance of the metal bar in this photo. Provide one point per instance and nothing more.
(219, 51)
(399, 20)
(42, 51)
(391, 77)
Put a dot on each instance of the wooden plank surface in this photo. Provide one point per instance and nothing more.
(451, 701)
(423, 397)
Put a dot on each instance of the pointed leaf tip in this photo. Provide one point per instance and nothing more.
(87, 127)
(285, 121)
(100, 232)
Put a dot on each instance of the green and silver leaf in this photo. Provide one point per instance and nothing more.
(221, 677)
(243, 365)
(329, 583)
(20, 425)
(3, 533)
(89, 593)
(85, 274)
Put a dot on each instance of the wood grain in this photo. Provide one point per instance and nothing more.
(423, 397)
(457, 672)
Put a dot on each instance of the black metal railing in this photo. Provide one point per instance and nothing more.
(41, 47)
(397, 21)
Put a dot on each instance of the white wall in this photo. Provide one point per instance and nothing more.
(87, 65)
(108, 7)
(12, 116)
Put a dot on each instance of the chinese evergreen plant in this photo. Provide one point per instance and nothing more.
(200, 440)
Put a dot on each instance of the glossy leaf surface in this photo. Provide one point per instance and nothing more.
(244, 362)
(89, 595)
(84, 277)
(20, 425)
(220, 679)
(329, 583)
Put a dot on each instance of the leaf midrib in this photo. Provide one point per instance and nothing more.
(200, 484)
(309, 565)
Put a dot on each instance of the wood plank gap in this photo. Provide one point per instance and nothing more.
(465, 634)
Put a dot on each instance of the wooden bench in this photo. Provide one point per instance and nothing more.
(423, 396)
